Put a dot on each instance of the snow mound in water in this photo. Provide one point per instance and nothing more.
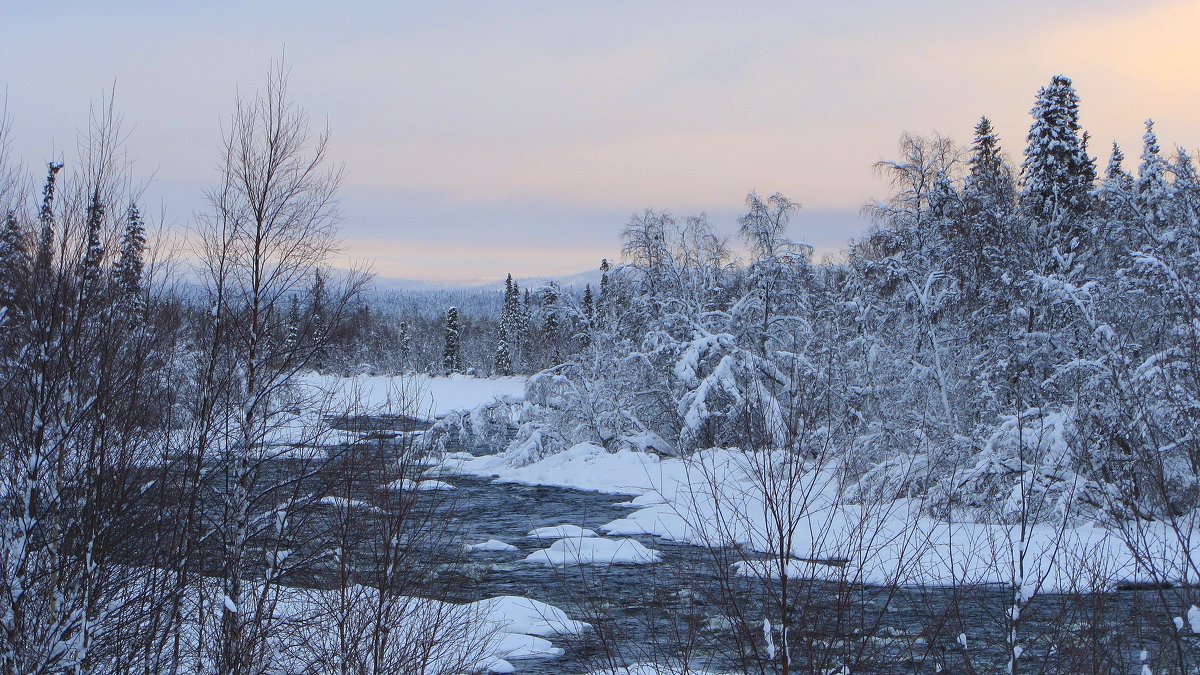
(515, 614)
(407, 485)
(595, 551)
(489, 545)
(561, 532)
(343, 503)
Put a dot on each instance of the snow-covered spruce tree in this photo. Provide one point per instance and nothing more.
(451, 349)
(981, 238)
(14, 260)
(1056, 167)
(1151, 188)
(129, 268)
(45, 242)
(507, 328)
(550, 334)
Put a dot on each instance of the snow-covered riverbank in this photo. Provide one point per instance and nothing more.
(715, 498)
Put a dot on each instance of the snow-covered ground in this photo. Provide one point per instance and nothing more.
(487, 634)
(300, 432)
(715, 498)
(416, 395)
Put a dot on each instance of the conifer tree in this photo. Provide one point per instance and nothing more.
(988, 187)
(526, 322)
(45, 247)
(1115, 176)
(316, 307)
(1151, 186)
(1056, 169)
(293, 324)
(13, 263)
(589, 306)
(94, 252)
(405, 338)
(505, 334)
(451, 354)
(130, 265)
(550, 323)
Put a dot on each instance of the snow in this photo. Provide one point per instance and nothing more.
(595, 551)
(406, 485)
(583, 467)
(560, 532)
(343, 503)
(517, 614)
(496, 629)
(491, 545)
(418, 395)
(882, 543)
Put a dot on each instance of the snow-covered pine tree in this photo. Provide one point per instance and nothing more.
(981, 238)
(94, 252)
(130, 265)
(1057, 174)
(293, 323)
(13, 261)
(988, 186)
(451, 353)
(504, 331)
(589, 303)
(45, 246)
(1151, 187)
(1115, 175)
(405, 338)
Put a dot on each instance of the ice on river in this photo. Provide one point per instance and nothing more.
(594, 551)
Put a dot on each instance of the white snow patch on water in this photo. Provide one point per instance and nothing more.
(407, 485)
(343, 503)
(595, 551)
(491, 545)
(560, 532)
